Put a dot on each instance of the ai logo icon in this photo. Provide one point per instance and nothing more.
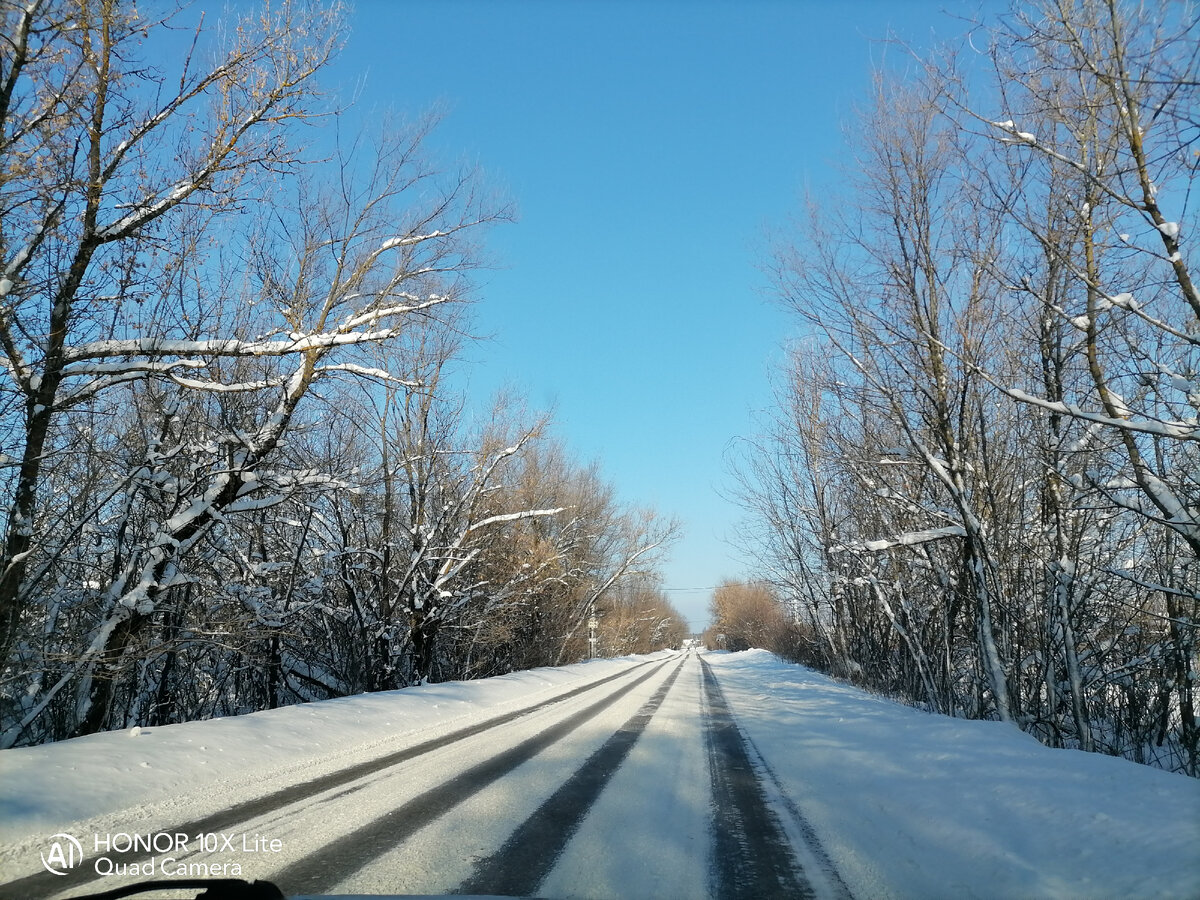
(65, 854)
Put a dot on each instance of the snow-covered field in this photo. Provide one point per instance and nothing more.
(906, 804)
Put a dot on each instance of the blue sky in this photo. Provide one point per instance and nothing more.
(650, 148)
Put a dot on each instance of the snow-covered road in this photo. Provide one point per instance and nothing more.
(511, 806)
(666, 776)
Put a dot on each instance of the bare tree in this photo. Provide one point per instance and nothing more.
(746, 615)
(638, 618)
(99, 152)
(289, 297)
(901, 293)
(991, 487)
(1095, 147)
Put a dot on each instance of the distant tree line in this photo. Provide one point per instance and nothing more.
(981, 487)
(234, 472)
(751, 615)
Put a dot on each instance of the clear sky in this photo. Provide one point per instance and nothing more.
(650, 148)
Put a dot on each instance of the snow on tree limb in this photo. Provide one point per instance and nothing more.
(1183, 431)
(908, 539)
(370, 372)
(514, 517)
(90, 368)
(226, 347)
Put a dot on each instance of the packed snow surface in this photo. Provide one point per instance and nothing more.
(904, 803)
(179, 768)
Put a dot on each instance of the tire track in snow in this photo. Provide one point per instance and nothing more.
(44, 884)
(752, 856)
(341, 858)
(520, 866)
(814, 861)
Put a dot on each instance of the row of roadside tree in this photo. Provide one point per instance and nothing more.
(235, 471)
(981, 486)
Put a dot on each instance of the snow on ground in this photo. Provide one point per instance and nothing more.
(910, 804)
(188, 770)
(905, 803)
(647, 835)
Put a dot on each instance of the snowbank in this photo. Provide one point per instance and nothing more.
(910, 804)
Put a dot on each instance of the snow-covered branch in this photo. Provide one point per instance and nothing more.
(908, 539)
(225, 347)
(1182, 431)
(513, 517)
